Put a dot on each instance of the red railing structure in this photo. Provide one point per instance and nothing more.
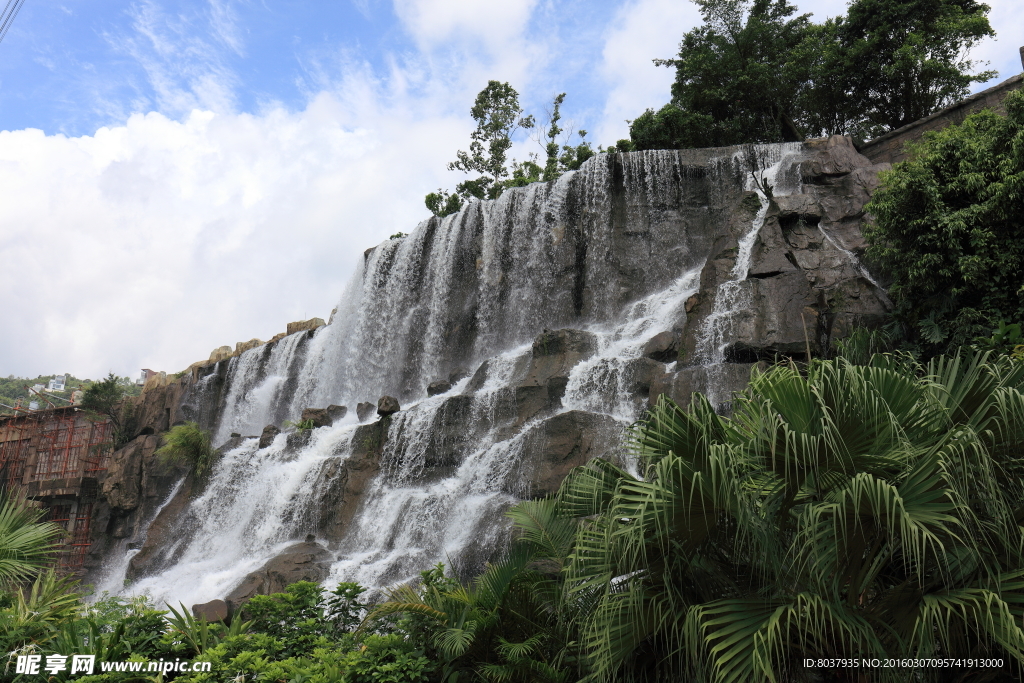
(71, 447)
(75, 517)
(14, 449)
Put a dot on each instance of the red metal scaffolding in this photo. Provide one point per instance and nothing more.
(67, 448)
(14, 449)
(75, 517)
(66, 445)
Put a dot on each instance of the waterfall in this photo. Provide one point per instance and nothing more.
(732, 298)
(614, 250)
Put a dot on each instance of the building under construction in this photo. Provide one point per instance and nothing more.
(54, 457)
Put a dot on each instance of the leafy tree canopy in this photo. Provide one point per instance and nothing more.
(754, 72)
(949, 229)
(905, 59)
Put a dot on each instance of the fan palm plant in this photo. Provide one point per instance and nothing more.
(843, 512)
(510, 624)
(26, 543)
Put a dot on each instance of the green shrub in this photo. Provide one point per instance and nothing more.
(190, 445)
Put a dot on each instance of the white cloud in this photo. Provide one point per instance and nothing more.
(149, 244)
(642, 31)
(495, 24)
(1002, 52)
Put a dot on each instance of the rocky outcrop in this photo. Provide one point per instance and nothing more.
(270, 433)
(364, 410)
(134, 486)
(304, 325)
(318, 416)
(553, 356)
(387, 405)
(336, 412)
(560, 443)
(306, 561)
(438, 387)
(348, 480)
(220, 353)
(803, 287)
(242, 347)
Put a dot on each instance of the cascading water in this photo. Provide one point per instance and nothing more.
(732, 299)
(615, 249)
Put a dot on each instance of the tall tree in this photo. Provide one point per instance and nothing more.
(908, 58)
(498, 116)
(735, 82)
(107, 398)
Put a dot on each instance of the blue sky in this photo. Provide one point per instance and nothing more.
(181, 175)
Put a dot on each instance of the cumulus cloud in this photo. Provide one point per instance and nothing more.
(148, 244)
(642, 31)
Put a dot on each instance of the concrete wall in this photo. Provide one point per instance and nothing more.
(891, 146)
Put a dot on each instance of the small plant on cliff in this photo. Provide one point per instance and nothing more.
(300, 426)
(190, 445)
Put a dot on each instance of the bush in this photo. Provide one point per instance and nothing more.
(947, 229)
(189, 445)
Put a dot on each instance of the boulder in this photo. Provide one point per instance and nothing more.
(719, 383)
(560, 443)
(304, 325)
(213, 611)
(306, 561)
(319, 416)
(267, 437)
(555, 353)
(439, 387)
(220, 353)
(387, 405)
(242, 347)
(458, 374)
(336, 412)
(662, 347)
(364, 410)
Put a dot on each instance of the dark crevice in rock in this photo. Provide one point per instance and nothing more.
(765, 276)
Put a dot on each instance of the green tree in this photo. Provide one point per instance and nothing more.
(735, 80)
(852, 511)
(498, 115)
(511, 624)
(947, 229)
(107, 398)
(907, 58)
(755, 73)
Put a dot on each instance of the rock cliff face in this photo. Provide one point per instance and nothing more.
(506, 345)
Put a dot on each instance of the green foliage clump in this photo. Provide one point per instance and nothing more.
(498, 116)
(755, 72)
(107, 398)
(843, 512)
(947, 229)
(190, 445)
(26, 542)
(300, 426)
